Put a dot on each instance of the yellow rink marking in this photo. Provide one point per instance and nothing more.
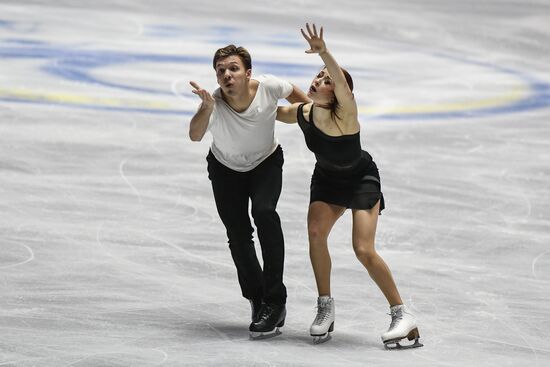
(33, 96)
(510, 97)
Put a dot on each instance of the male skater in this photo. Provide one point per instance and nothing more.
(245, 163)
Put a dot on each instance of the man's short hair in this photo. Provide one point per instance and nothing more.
(233, 50)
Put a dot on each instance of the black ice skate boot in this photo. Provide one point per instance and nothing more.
(270, 319)
(255, 305)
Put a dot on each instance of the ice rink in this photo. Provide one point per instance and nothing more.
(111, 249)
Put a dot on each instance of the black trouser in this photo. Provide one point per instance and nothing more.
(232, 191)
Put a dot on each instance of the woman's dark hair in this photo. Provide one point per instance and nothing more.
(333, 106)
(232, 50)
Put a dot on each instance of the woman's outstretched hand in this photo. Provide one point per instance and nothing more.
(316, 42)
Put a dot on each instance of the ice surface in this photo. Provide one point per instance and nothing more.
(111, 250)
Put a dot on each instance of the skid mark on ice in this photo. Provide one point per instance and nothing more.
(29, 259)
(534, 262)
(116, 351)
(181, 202)
(151, 271)
(66, 192)
(496, 341)
(519, 191)
(518, 333)
(139, 27)
(121, 260)
(183, 314)
(220, 333)
(514, 331)
(98, 241)
(178, 203)
(165, 356)
(187, 252)
(418, 354)
(299, 283)
(151, 268)
(204, 259)
(339, 353)
(132, 187)
(177, 89)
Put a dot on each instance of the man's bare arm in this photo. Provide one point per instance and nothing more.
(287, 114)
(199, 122)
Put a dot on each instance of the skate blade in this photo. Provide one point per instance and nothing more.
(260, 335)
(320, 339)
(395, 344)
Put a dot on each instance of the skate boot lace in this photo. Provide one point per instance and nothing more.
(323, 311)
(396, 317)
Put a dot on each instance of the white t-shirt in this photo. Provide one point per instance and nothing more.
(242, 140)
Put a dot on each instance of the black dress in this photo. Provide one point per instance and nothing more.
(344, 174)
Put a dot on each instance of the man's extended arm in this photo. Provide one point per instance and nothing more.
(288, 113)
(199, 122)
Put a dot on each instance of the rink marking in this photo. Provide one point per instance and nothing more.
(143, 105)
(77, 65)
(74, 99)
(515, 95)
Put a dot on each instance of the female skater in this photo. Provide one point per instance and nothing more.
(344, 177)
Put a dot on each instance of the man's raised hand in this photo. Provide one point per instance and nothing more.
(207, 99)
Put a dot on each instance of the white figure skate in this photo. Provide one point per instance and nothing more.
(323, 324)
(403, 325)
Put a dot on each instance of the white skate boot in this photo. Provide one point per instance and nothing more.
(403, 325)
(323, 324)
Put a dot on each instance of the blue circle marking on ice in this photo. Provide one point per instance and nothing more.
(77, 65)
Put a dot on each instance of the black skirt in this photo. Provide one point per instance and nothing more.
(356, 189)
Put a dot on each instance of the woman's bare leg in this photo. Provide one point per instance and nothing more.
(320, 220)
(364, 231)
